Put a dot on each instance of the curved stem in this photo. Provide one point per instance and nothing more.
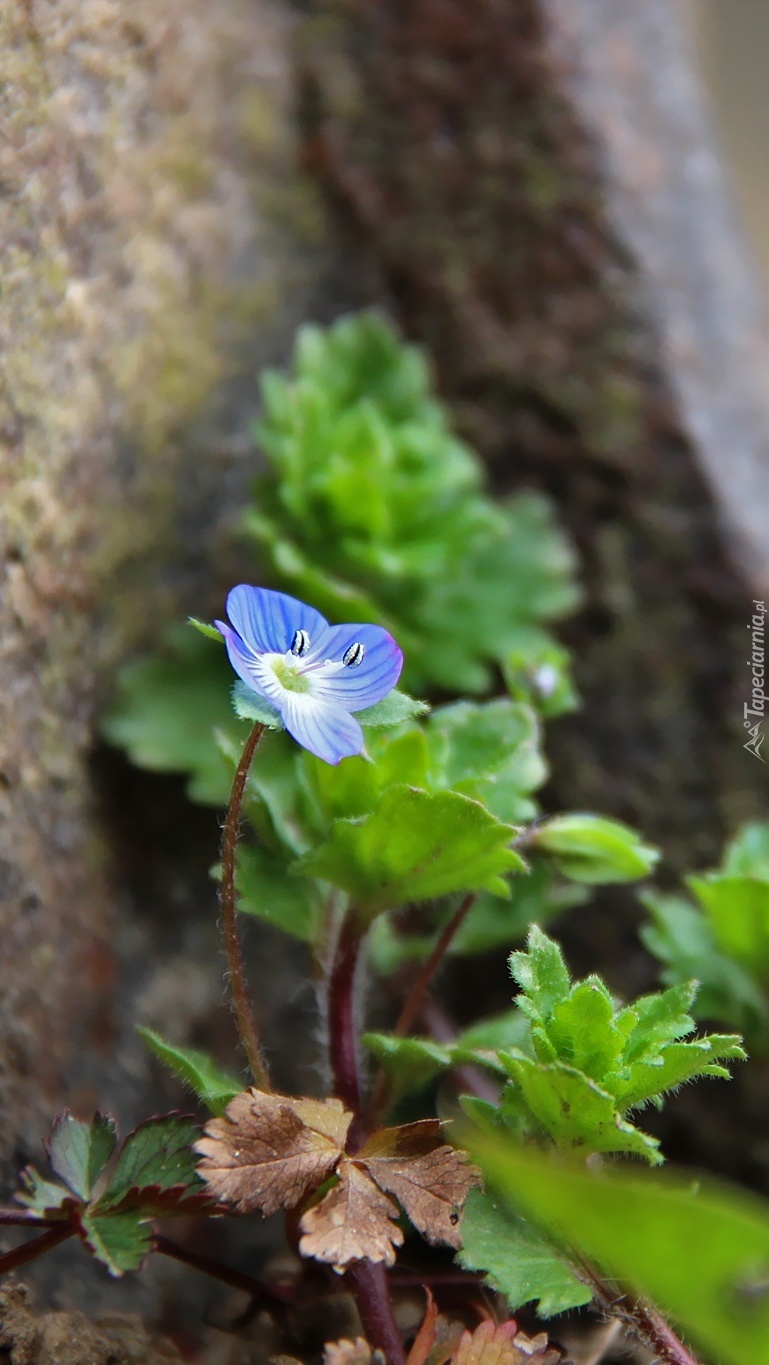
(37, 1247)
(240, 1002)
(342, 1041)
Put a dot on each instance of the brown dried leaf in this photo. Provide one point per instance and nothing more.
(355, 1221)
(328, 1117)
(262, 1155)
(428, 1178)
(490, 1344)
(346, 1352)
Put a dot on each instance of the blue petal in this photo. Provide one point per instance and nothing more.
(245, 661)
(268, 621)
(356, 688)
(326, 730)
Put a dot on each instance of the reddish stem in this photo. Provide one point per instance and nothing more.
(415, 999)
(369, 1287)
(234, 1278)
(244, 1018)
(37, 1247)
(22, 1218)
(414, 1003)
(642, 1319)
(342, 1041)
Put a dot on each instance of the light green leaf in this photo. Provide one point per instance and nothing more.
(541, 972)
(572, 1109)
(414, 846)
(490, 752)
(203, 628)
(121, 1241)
(249, 705)
(699, 1253)
(591, 849)
(748, 854)
(44, 1196)
(411, 1063)
(738, 910)
(394, 709)
(208, 1081)
(518, 1260)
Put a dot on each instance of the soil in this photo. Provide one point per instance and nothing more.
(61, 1338)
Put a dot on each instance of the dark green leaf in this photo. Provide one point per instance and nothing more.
(519, 1261)
(79, 1151)
(209, 1082)
(268, 890)
(155, 1159)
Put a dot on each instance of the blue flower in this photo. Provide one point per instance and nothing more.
(314, 674)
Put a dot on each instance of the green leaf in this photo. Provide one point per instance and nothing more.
(537, 671)
(518, 1260)
(683, 940)
(121, 1241)
(269, 890)
(414, 846)
(699, 1252)
(168, 710)
(249, 705)
(738, 910)
(208, 1081)
(572, 1109)
(44, 1196)
(394, 709)
(490, 752)
(591, 849)
(541, 972)
(79, 1152)
(748, 854)
(411, 1063)
(157, 1157)
(210, 632)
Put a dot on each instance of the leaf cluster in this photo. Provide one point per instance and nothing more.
(721, 936)
(110, 1192)
(374, 510)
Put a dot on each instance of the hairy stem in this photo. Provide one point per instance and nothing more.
(643, 1320)
(37, 1247)
(342, 1040)
(368, 1283)
(240, 1002)
(262, 1292)
(23, 1218)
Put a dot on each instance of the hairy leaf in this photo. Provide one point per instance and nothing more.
(414, 846)
(430, 1179)
(268, 890)
(209, 1082)
(269, 1152)
(572, 1109)
(520, 1262)
(698, 1251)
(355, 1221)
(589, 848)
(394, 709)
